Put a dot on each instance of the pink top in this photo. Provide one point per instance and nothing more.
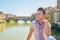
(38, 32)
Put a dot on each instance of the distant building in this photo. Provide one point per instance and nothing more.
(1, 15)
(50, 14)
(58, 4)
(57, 13)
(54, 13)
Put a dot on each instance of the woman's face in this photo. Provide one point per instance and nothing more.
(39, 15)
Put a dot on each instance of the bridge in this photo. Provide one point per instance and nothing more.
(24, 18)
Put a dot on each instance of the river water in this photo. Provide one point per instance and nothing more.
(14, 31)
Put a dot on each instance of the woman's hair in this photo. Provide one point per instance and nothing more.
(41, 9)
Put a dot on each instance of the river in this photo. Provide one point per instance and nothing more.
(14, 31)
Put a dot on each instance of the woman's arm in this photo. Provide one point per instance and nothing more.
(30, 33)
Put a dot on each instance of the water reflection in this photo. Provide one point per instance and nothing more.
(7, 25)
(26, 24)
(1, 27)
(14, 30)
(10, 24)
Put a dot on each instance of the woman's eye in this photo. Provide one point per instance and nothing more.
(38, 14)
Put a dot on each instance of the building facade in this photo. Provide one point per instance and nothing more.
(58, 4)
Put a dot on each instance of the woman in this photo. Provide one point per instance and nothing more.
(41, 27)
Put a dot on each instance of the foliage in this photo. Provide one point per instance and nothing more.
(56, 30)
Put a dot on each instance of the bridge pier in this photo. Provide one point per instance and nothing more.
(7, 20)
(31, 21)
(25, 21)
(15, 20)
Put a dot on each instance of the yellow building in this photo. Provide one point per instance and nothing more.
(1, 16)
(50, 14)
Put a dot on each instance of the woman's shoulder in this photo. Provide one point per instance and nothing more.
(33, 23)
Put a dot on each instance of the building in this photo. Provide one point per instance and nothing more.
(57, 13)
(1, 15)
(50, 14)
(58, 4)
(54, 13)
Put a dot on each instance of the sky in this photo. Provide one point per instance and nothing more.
(24, 7)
